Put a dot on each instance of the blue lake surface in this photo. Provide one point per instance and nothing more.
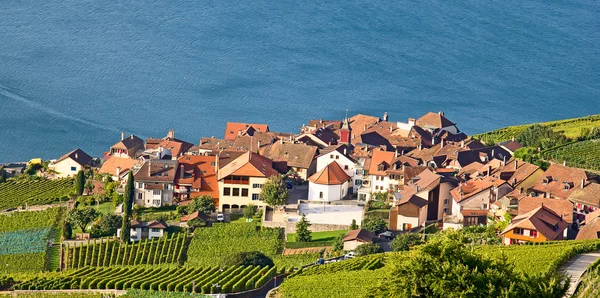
(75, 73)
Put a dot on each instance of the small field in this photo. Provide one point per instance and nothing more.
(24, 238)
(157, 251)
(15, 194)
(571, 128)
(211, 246)
(327, 236)
(172, 279)
(584, 154)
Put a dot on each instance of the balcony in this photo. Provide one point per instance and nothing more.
(236, 180)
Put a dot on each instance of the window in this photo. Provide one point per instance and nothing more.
(392, 177)
(345, 167)
(236, 192)
(445, 210)
(484, 206)
(155, 230)
(320, 195)
(255, 197)
(156, 202)
(140, 196)
(212, 164)
(244, 192)
(337, 157)
(256, 185)
(446, 201)
(356, 172)
(73, 169)
(331, 156)
(226, 191)
(518, 231)
(156, 192)
(533, 233)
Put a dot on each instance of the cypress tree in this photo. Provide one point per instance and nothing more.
(79, 183)
(127, 206)
(302, 231)
(67, 230)
(2, 175)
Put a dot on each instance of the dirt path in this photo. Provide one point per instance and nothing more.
(576, 267)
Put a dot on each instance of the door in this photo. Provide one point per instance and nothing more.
(406, 227)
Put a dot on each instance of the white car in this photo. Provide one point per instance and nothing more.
(220, 217)
(349, 255)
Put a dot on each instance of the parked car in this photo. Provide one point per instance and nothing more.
(349, 255)
(220, 217)
(387, 235)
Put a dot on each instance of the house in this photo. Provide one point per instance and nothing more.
(212, 145)
(71, 163)
(298, 157)
(519, 174)
(233, 129)
(322, 137)
(433, 188)
(511, 146)
(241, 180)
(471, 200)
(155, 183)
(590, 227)
(354, 238)
(538, 225)
(381, 161)
(560, 181)
(167, 147)
(145, 230)
(563, 208)
(505, 205)
(585, 200)
(410, 212)
(329, 184)
(342, 155)
(127, 147)
(13, 169)
(195, 215)
(196, 176)
(117, 167)
(437, 121)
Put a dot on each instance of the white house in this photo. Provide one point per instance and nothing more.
(154, 183)
(143, 230)
(341, 155)
(355, 238)
(71, 163)
(329, 184)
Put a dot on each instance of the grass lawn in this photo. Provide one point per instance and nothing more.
(105, 208)
(319, 236)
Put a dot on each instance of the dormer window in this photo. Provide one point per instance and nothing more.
(566, 186)
(380, 168)
(546, 180)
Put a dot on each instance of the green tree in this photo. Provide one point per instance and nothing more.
(338, 243)
(204, 203)
(67, 230)
(250, 210)
(89, 186)
(82, 216)
(127, 206)
(248, 258)
(2, 175)
(374, 224)
(368, 249)
(109, 223)
(303, 234)
(79, 183)
(406, 241)
(445, 267)
(353, 225)
(274, 192)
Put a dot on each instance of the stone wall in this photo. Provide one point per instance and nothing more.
(290, 227)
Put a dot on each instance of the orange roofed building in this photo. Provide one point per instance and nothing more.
(329, 184)
(241, 181)
(233, 129)
(196, 176)
(538, 225)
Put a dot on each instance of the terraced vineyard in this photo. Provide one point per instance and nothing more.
(15, 194)
(158, 278)
(584, 154)
(157, 251)
(24, 238)
(371, 262)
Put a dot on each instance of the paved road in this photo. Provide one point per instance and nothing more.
(576, 267)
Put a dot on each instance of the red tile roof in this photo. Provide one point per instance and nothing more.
(589, 195)
(434, 120)
(249, 164)
(473, 187)
(110, 166)
(233, 129)
(199, 172)
(380, 157)
(360, 234)
(591, 228)
(77, 155)
(541, 219)
(332, 174)
(561, 207)
(561, 181)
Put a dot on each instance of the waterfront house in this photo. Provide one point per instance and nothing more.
(155, 183)
(234, 129)
(560, 181)
(127, 147)
(69, 164)
(117, 167)
(298, 157)
(196, 176)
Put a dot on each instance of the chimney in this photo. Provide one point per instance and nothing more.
(504, 161)
(385, 116)
(515, 182)
(493, 153)
(321, 120)
(281, 141)
(441, 113)
(217, 162)
(582, 183)
(462, 144)
(344, 151)
(516, 166)
(391, 129)
(122, 135)
(149, 166)
(76, 155)
(181, 171)
(396, 154)
(171, 134)
(364, 127)
(513, 138)
(419, 147)
(489, 171)
(411, 122)
(258, 144)
(131, 136)
(442, 143)
(521, 190)
(402, 153)
(118, 173)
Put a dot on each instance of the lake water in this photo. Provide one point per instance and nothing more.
(75, 73)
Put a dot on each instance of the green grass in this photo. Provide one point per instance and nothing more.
(327, 236)
(105, 208)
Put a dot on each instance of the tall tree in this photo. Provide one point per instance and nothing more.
(2, 175)
(127, 206)
(249, 211)
(79, 183)
(274, 192)
(302, 231)
(353, 225)
(82, 216)
(67, 231)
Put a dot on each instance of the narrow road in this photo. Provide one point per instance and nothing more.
(576, 267)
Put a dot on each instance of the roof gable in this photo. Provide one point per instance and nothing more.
(332, 174)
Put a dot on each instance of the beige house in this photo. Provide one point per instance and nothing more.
(154, 183)
(409, 213)
(145, 230)
(69, 164)
(241, 181)
(127, 147)
(355, 238)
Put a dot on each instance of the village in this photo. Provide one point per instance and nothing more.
(401, 177)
